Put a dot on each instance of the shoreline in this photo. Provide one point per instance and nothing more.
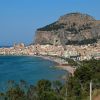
(64, 66)
(60, 63)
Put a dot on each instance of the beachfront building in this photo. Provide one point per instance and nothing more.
(71, 55)
(96, 55)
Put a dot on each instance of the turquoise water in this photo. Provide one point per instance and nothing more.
(30, 69)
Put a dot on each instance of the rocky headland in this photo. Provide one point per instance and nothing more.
(72, 28)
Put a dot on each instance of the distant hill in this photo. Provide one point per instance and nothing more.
(72, 28)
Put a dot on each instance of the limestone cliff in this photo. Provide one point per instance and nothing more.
(73, 28)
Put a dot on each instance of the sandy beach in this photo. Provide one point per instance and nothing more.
(61, 63)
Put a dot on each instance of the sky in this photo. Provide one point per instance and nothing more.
(19, 19)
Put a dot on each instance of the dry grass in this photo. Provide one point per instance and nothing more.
(96, 94)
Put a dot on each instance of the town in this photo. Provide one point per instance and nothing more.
(75, 52)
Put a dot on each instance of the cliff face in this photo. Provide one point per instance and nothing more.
(73, 28)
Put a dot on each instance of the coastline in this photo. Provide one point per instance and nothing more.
(61, 64)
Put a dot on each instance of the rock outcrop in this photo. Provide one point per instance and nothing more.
(73, 28)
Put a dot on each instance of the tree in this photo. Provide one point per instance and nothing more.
(84, 74)
(15, 94)
(32, 93)
(57, 85)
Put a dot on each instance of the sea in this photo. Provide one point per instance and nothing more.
(28, 68)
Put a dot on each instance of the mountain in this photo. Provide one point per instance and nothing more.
(72, 28)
